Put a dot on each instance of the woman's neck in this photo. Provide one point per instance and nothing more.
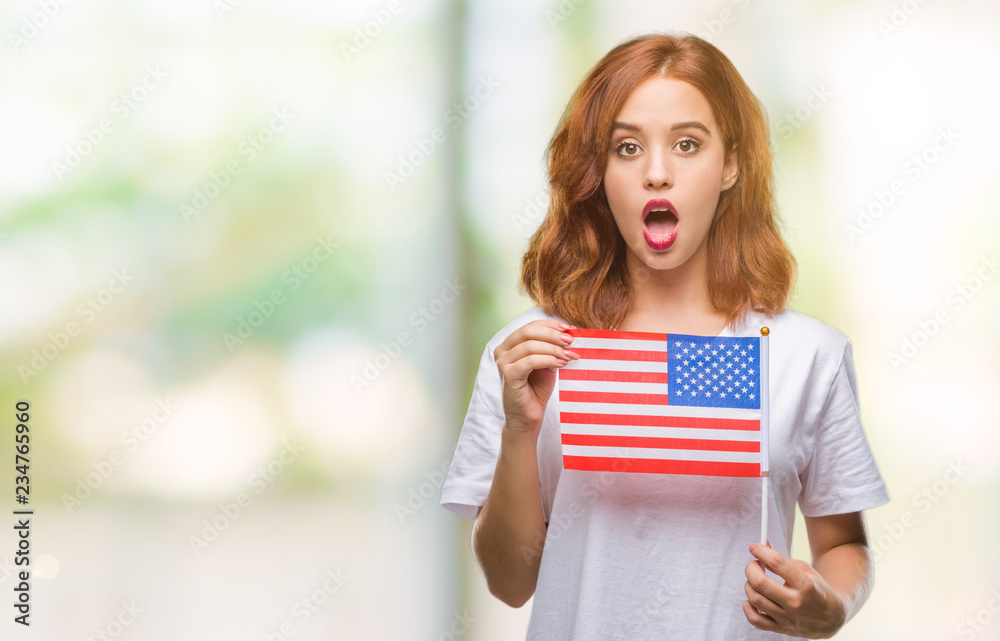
(673, 301)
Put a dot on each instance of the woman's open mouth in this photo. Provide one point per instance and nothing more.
(659, 224)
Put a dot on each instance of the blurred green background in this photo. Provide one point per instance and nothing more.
(250, 253)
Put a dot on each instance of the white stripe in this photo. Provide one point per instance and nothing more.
(660, 432)
(658, 453)
(616, 366)
(658, 410)
(619, 343)
(613, 386)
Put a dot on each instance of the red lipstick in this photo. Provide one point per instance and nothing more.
(659, 223)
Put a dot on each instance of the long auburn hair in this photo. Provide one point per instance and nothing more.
(575, 268)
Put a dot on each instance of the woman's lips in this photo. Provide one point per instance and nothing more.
(660, 242)
(659, 227)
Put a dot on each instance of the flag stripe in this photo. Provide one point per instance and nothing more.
(601, 333)
(614, 366)
(621, 354)
(647, 410)
(662, 432)
(613, 386)
(611, 343)
(566, 374)
(705, 468)
(612, 397)
(607, 440)
(709, 422)
(655, 453)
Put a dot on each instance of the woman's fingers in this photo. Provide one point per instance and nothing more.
(515, 357)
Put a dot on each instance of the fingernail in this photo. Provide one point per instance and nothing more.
(572, 355)
(753, 546)
(560, 362)
(566, 338)
(563, 326)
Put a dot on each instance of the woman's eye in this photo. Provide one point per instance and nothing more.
(632, 148)
(688, 145)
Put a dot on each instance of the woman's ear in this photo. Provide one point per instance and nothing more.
(732, 169)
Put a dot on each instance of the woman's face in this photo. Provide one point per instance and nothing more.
(665, 172)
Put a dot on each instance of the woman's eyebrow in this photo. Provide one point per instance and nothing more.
(688, 124)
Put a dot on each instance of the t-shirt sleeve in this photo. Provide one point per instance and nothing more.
(471, 473)
(842, 475)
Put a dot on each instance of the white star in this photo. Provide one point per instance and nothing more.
(750, 359)
(752, 397)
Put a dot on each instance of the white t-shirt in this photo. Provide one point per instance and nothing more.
(653, 556)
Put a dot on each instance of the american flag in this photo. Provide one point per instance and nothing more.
(664, 404)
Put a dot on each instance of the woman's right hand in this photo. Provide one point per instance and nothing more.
(528, 360)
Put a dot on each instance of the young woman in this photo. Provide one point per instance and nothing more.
(661, 220)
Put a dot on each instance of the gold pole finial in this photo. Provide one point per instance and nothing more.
(764, 331)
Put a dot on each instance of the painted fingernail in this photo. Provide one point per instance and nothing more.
(572, 355)
(566, 338)
(560, 362)
(563, 326)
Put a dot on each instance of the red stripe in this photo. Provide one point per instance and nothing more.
(622, 354)
(661, 421)
(568, 396)
(604, 440)
(659, 466)
(601, 333)
(608, 375)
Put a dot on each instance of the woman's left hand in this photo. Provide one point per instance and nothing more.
(805, 606)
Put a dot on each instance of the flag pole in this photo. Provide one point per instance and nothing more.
(765, 464)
